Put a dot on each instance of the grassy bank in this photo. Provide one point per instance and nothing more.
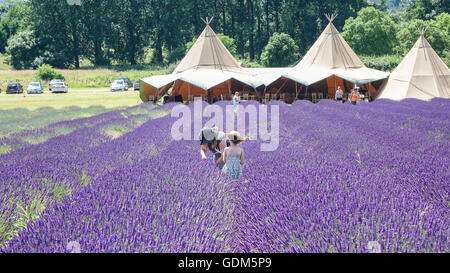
(18, 113)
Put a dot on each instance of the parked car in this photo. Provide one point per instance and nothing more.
(14, 88)
(59, 87)
(119, 85)
(52, 82)
(136, 85)
(35, 88)
(127, 81)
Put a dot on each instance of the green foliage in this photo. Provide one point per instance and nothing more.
(249, 64)
(446, 57)
(425, 9)
(22, 48)
(384, 63)
(280, 51)
(3, 37)
(438, 34)
(129, 31)
(5, 148)
(46, 72)
(227, 41)
(176, 55)
(16, 19)
(372, 32)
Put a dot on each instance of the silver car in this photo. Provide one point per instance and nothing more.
(52, 83)
(59, 87)
(35, 88)
(119, 85)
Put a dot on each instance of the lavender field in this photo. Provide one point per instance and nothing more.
(342, 178)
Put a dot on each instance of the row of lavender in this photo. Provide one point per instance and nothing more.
(351, 177)
(131, 118)
(37, 175)
(343, 177)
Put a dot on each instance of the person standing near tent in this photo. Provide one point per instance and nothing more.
(339, 94)
(233, 156)
(236, 101)
(216, 142)
(355, 96)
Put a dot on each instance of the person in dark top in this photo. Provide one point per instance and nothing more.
(214, 140)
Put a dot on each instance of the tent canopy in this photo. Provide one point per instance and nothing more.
(329, 56)
(331, 51)
(207, 65)
(421, 75)
(208, 52)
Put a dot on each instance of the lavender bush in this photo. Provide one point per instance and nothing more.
(343, 178)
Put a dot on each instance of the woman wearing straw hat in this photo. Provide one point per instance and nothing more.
(216, 142)
(233, 156)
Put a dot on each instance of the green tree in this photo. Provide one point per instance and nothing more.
(23, 49)
(425, 9)
(55, 23)
(3, 38)
(128, 35)
(280, 51)
(372, 32)
(16, 19)
(438, 34)
(46, 72)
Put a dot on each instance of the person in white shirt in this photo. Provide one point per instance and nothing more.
(339, 94)
(236, 101)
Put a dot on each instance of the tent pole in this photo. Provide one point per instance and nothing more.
(296, 90)
(334, 91)
(306, 91)
(257, 94)
(264, 95)
(157, 95)
(281, 88)
(189, 93)
(229, 89)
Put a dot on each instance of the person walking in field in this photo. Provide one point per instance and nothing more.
(214, 140)
(355, 96)
(339, 95)
(236, 101)
(233, 156)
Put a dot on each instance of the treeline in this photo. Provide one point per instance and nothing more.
(106, 32)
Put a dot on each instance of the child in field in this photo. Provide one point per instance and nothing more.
(233, 156)
(236, 101)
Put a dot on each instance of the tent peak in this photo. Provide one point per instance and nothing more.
(207, 20)
(422, 31)
(331, 17)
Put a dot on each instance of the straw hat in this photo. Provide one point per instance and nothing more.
(235, 136)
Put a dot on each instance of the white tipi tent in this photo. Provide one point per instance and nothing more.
(208, 70)
(208, 52)
(330, 63)
(331, 51)
(421, 75)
